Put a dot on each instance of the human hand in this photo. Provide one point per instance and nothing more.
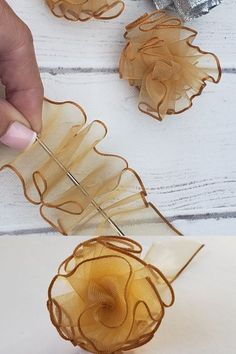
(19, 74)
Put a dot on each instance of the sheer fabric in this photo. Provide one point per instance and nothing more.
(107, 179)
(105, 298)
(83, 10)
(161, 61)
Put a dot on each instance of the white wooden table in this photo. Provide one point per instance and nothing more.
(187, 162)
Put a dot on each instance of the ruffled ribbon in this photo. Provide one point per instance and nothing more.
(162, 62)
(106, 298)
(107, 179)
(84, 10)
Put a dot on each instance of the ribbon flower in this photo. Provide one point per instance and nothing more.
(161, 61)
(105, 298)
(83, 10)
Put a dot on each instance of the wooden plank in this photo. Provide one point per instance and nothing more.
(98, 44)
(31, 224)
(187, 162)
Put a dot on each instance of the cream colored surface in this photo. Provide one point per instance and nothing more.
(201, 320)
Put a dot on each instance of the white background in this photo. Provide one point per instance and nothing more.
(187, 162)
(202, 319)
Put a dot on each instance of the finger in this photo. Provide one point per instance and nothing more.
(15, 130)
(19, 70)
(24, 89)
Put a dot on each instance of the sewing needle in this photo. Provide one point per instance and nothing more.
(78, 185)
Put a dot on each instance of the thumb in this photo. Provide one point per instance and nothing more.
(15, 130)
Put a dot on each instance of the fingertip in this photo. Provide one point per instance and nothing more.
(9, 114)
(18, 136)
(30, 104)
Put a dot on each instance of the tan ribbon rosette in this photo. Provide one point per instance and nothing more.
(110, 192)
(83, 10)
(106, 299)
(161, 61)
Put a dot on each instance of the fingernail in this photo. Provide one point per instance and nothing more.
(18, 136)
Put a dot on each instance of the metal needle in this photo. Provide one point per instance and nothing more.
(77, 184)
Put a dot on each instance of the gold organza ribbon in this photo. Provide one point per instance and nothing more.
(107, 179)
(161, 61)
(105, 298)
(83, 10)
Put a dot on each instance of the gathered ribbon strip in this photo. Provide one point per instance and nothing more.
(187, 9)
(161, 61)
(107, 179)
(106, 299)
(83, 10)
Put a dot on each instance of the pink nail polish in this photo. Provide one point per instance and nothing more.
(18, 136)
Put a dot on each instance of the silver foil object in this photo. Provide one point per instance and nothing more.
(187, 9)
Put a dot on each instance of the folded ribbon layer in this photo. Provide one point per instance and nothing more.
(83, 10)
(162, 62)
(107, 179)
(105, 298)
